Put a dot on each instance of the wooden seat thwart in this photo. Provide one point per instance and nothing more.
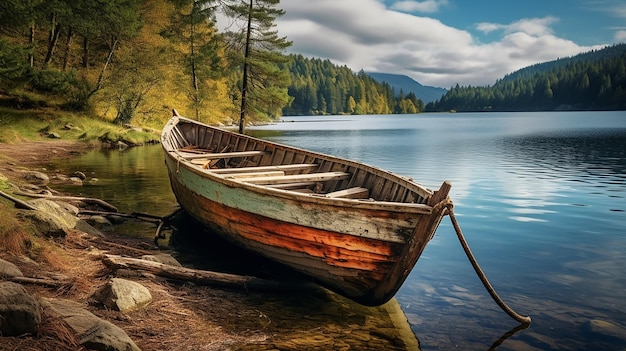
(255, 174)
(285, 168)
(212, 156)
(350, 193)
(309, 177)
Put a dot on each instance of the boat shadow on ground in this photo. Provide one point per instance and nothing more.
(311, 319)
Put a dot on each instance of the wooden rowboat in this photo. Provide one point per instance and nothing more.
(353, 228)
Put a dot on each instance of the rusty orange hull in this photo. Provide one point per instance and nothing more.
(361, 248)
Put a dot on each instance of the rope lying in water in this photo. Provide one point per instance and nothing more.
(525, 320)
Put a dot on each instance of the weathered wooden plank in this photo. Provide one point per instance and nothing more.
(286, 168)
(314, 177)
(255, 174)
(291, 186)
(212, 156)
(350, 193)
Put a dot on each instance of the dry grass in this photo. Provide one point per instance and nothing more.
(14, 239)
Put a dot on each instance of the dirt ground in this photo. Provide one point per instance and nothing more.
(184, 316)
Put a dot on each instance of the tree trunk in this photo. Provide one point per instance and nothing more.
(85, 52)
(104, 68)
(194, 77)
(55, 30)
(68, 48)
(244, 84)
(31, 41)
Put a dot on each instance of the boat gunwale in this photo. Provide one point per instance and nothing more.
(310, 198)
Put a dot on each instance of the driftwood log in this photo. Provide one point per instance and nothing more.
(18, 203)
(202, 277)
(98, 202)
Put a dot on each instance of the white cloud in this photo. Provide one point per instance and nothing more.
(428, 6)
(364, 34)
(620, 36)
(533, 26)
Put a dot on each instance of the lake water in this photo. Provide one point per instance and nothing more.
(540, 198)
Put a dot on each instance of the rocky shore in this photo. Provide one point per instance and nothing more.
(57, 294)
(66, 299)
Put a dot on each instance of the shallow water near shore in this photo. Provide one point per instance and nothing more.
(539, 196)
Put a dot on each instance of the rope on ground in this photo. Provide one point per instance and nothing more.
(163, 222)
(525, 320)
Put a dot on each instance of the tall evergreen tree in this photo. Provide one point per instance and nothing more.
(194, 35)
(257, 50)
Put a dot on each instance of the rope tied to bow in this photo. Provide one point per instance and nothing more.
(525, 320)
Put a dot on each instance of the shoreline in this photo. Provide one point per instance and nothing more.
(185, 316)
(78, 256)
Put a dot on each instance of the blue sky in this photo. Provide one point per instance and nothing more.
(445, 42)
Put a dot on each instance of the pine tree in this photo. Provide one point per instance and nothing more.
(257, 50)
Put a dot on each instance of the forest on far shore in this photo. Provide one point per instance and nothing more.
(595, 80)
(134, 60)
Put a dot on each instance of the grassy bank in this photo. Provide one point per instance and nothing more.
(28, 132)
(32, 125)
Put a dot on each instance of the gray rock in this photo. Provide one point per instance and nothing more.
(55, 219)
(52, 219)
(64, 212)
(46, 224)
(98, 221)
(162, 258)
(123, 295)
(54, 135)
(106, 336)
(85, 227)
(94, 333)
(8, 269)
(20, 312)
(76, 181)
(79, 174)
(36, 177)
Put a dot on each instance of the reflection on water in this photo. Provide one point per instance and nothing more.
(133, 180)
(540, 198)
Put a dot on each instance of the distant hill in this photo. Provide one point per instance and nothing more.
(407, 84)
(595, 80)
(589, 56)
(320, 87)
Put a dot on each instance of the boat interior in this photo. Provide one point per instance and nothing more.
(255, 161)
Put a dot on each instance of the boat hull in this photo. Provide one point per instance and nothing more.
(364, 254)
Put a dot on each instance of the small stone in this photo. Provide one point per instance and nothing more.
(20, 312)
(8, 269)
(76, 181)
(54, 136)
(79, 174)
(36, 177)
(123, 295)
(98, 221)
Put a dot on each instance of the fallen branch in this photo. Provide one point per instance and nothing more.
(18, 203)
(98, 202)
(224, 280)
(125, 247)
(164, 221)
(38, 281)
(134, 215)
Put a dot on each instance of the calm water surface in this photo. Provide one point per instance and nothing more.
(540, 198)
